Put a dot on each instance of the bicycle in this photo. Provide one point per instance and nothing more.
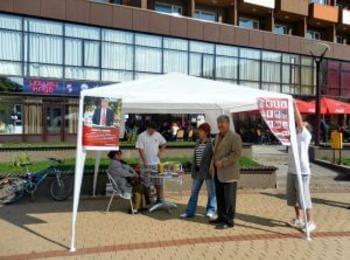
(13, 189)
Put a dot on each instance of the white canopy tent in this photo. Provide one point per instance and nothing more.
(174, 93)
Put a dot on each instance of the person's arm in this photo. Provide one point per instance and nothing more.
(142, 156)
(140, 147)
(233, 156)
(162, 144)
(298, 119)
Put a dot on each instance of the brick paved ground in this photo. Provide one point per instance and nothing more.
(41, 229)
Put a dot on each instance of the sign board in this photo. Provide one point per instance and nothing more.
(56, 87)
(101, 122)
(274, 111)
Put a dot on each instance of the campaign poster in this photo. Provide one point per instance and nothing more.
(274, 111)
(101, 121)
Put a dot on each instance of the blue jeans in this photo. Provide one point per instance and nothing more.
(196, 187)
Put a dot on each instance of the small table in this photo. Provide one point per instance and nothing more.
(163, 177)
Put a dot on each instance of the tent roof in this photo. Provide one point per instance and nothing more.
(180, 93)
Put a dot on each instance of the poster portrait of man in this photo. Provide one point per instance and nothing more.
(103, 114)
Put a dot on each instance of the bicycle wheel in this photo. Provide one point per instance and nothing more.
(61, 188)
(11, 190)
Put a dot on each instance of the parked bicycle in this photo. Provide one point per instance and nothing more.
(13, 189)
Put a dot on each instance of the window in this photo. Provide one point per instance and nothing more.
(249, 53)
(271, 56)
(40, 26)
(116, 75)
(81, 31)
(205, 15)
(33, 114)
(45, 49)
(82, 53)
(148, 59)
(117, 56)
(271, 72)
(226, 67)
(148, 40)
(248, 23)
(249, 70)
(175, 61)
(10, 22)
(226, 50)
(175, 44)
(11, 118)
(117, 36)
(71, 119)
(313, 35)
(340, 39)
(280, 29)
(167, 8)
(10, 45)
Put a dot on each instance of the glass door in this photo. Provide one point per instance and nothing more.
(54, 124)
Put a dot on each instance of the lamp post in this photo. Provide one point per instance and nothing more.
(318, 50)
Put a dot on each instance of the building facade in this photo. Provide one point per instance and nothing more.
(51, 49)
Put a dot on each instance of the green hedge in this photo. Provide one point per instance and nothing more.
(8, 169)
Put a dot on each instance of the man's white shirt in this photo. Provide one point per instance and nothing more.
(303, 141)
(150, 145)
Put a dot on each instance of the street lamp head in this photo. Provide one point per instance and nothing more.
(319, 49)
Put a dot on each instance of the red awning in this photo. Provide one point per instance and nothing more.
(305, 107)
(334, 107)
(329, 106)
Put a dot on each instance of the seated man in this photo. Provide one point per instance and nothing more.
(122, 174)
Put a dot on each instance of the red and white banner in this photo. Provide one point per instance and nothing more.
(275, 112)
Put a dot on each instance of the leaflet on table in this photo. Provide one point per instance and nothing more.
(101, 122)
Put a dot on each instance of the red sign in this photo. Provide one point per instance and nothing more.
(100, 136)
(275, 113)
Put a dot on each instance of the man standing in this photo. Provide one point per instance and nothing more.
(103, 116)
(293, 192)
(151, 145)
(226, 170)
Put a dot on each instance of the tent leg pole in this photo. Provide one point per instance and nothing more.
(97, 167)
(79, 173)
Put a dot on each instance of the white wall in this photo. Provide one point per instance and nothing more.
(346, 17)
(265, 3)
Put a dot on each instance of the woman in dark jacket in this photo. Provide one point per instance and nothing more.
(200, 173)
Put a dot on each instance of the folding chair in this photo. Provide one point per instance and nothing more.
(116, 193)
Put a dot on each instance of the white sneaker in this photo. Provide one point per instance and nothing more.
(125, 195)
(298, 223)
(211, 215)
(184, 215)
(311, 227)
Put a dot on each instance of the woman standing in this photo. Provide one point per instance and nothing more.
(200, 173)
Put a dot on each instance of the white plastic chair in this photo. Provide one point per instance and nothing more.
(116, 193)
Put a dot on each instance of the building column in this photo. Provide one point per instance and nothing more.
(301, 28)
(235, 12)
(191, 7)
(144, 4)
(270, 22)
(330, 34)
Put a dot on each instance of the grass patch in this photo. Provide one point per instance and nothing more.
(8, 169)
(344, 161)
